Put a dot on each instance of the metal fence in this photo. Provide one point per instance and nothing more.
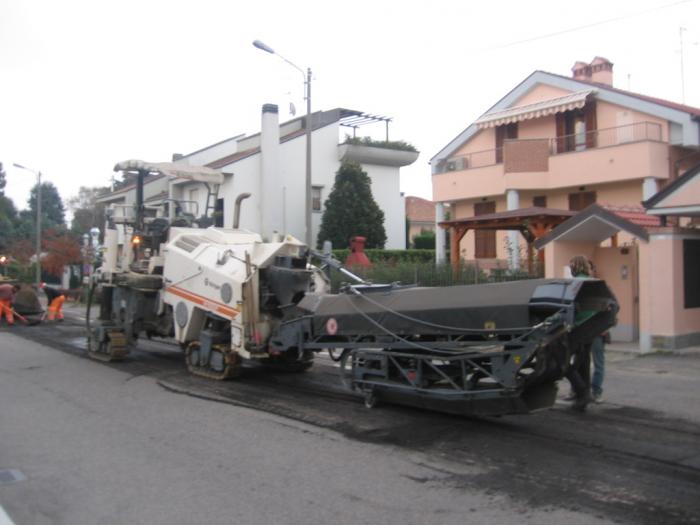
(604, 138)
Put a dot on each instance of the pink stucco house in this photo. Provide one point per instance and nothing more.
(555, 145)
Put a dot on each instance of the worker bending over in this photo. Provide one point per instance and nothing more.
(7, 294)
(55, 300)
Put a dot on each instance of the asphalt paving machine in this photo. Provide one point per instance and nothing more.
(230, 297)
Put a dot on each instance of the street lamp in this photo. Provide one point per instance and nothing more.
(307, 84)
(38, 221)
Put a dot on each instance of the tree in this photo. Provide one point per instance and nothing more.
(52, 209)
(61, 250)
(8, 217)
(8, 214)
(87, 212)
(22, 250)
(351, 210)
(3, 180)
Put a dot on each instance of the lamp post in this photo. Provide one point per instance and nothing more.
(38, 221)
(307, 84)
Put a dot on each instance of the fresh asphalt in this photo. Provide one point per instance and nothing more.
(143, 442)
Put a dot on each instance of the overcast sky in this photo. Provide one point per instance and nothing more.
(84, 84)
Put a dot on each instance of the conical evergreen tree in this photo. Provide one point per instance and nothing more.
(350, 210)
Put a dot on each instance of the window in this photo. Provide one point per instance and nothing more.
(484, 240)
(581, 200)
(540, 201)
(691, 273)
(576, 129)
(193, 202)
(316, 198)
(219, 213)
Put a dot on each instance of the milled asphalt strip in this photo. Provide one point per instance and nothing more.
(4, 518)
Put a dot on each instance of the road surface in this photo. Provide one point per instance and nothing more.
(141, 441)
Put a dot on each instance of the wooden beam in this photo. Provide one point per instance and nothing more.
(456, 235)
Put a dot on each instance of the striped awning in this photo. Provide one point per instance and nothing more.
(535, 110)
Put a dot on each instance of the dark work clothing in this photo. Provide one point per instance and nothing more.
(52, 293)
(579, 375)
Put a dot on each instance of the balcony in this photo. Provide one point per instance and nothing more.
(379, 152)
(605, 138)
(613, 154)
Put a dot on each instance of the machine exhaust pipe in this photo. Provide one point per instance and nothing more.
(140, 178)
(237, 209)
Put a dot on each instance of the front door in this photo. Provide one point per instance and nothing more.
(618, 267)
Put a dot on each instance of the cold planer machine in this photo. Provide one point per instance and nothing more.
(487, 349)
(231, 297)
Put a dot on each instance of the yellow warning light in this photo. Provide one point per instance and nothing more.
(136, 240)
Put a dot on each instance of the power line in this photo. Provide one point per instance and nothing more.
(586, 26)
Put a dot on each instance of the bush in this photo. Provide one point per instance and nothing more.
(421, 274)
(387, 144)
(21, 272)
(425, 240)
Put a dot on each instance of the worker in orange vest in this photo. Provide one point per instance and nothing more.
(7, 294)
(55, 300)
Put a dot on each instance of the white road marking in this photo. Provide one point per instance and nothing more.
(4, 518)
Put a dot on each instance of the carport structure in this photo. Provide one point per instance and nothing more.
(532, 223)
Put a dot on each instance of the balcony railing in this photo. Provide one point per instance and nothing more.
(600, 138)
(477, 159)
(604, 138)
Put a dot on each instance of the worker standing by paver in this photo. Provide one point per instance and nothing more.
(55, 300)
(7, 294)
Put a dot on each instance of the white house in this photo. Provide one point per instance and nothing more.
(270, 165)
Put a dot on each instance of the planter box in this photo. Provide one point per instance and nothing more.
(377, 156)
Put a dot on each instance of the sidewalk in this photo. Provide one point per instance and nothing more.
(633, 348)
(665, 383)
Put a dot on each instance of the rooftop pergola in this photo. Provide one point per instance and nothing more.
(532, 223)
(354, 119)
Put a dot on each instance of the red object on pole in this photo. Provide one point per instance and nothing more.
(357, 255)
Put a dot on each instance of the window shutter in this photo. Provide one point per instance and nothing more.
(561, 131)
(589, 112)
(500, 138)
(581, 200)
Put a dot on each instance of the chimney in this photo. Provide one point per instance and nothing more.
(581, 71)
(600, 71)
(270, 197)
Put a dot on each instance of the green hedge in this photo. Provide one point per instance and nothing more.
(424, 241)
(421, 274)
